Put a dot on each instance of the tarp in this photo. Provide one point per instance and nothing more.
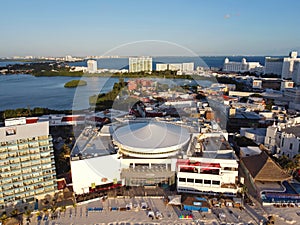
(174, 200)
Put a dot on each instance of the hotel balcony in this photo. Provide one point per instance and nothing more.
(34, 150)
(3, 149)
(15, 175)
(6, 180)
(35, 162)
(14, 162)
(22, 141)
(18, 184)
(36, 169)
(46, 149)
(23, 151)
(16, 179)
(8, 193)
(8, 186)
(26, 164)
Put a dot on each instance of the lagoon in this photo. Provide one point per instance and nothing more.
(23, 91)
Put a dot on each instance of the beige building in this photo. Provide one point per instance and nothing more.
(26, 162)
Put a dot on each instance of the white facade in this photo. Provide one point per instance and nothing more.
(175, 66)
(257, 84)
(95, 171)
(288, 65)
(286, 84)
(284, 138)
(180, 67)
(92, 66)
(138, 64)
(273, 65)
(26, 162)
(240, 66)
(271, 139)
(208, 176)
(282, 66)
(296, 73)
(188, 67)
(161, 67)
(290, 141)
(292, 94)
(255, 134)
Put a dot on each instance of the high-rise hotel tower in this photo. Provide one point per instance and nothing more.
(26, 161)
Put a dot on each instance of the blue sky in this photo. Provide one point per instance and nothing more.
(124, 27)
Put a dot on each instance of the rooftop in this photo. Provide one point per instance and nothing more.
(262, 168)
(150, 135)
(295, 130)
(210, 145)
(91, 144)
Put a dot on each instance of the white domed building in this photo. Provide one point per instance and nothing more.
(148, 151)
(151, 140)
(136, 153)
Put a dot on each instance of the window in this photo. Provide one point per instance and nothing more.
(282, 142)
(198, 181)
(206, 181)
(216, 182)
(299, 148)
(182, 179)
(291, 146)
(190, 180)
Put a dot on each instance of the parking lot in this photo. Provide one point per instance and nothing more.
(130, 211)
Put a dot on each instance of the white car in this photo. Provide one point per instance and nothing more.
(151, 214)
(129, 206)
(158, 215)
(144, 206)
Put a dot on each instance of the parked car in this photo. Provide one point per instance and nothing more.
(158, 215)
(151, 214)
(144, 205)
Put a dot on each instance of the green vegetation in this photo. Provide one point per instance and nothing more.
(60, 72)
(290, 165)
(244, 142)
(269, 104)
(11, 113)
(228, 80)
(105, 101)
(75, 83)
(256, 95)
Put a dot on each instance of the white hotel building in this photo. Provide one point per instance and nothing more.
(26, 161)
(286, 67)
(138, 64)
(242, 66)
(92, 66)
(181, 67)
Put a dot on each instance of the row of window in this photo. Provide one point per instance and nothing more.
(199, 181)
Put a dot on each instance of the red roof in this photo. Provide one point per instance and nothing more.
(72, 118)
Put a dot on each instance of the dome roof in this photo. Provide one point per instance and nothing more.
(151, 137)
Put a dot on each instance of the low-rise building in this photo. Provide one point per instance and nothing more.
(265, 178)
(212, 167)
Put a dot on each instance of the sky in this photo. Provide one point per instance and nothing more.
(148, 27)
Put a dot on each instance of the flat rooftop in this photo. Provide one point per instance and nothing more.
(210, 145)
(92, 144)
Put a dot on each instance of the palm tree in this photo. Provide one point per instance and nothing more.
(3, 218)
(27, 214)
(14, 213)
(244, 190)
